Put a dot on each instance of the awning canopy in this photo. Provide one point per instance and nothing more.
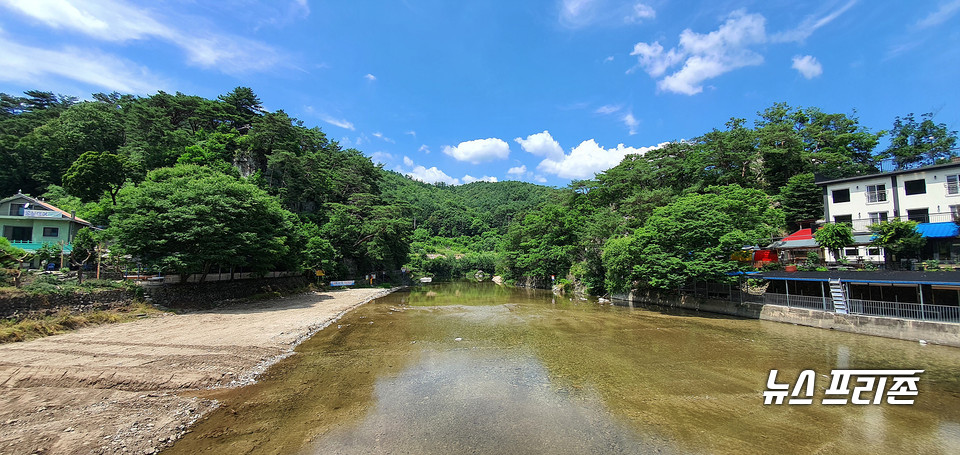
(938, 230)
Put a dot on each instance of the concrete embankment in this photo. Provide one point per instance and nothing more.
(944, 333)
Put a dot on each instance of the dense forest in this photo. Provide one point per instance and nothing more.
(185, 184)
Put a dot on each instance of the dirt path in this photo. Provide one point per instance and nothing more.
(113, 388)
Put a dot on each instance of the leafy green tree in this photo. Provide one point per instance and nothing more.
(12, 258)
(188, 219)
(692, 238)
(834, 237)
(914, 144)
(95, 173)
(85, 246)
(802, 199)
(898, 239)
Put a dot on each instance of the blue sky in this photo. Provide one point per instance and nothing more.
(540, 91)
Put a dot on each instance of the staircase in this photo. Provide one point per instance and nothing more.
(838, 297)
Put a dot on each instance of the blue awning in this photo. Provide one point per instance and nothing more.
(938, 230)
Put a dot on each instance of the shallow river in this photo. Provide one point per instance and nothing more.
(476, 368)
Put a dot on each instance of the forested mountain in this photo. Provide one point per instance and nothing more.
(186, 184)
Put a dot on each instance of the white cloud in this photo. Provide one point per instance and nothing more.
(470, 179)
(540, 179)
(808, 66)
(479, 150)
(407, 161)
(432, 175)
(424, 148)
(631, 122)
(518, 170)
(380, 135)
(941, 15)
(576, 13)
(541, 144)
(705, 56)
(412, 133)
(587, 159)
(381, 157)
(608, 59)
(607, 109)
(116, 21)
(370, 77)
(810, 25)
(35, 66)
(640, 13)
(342, 123)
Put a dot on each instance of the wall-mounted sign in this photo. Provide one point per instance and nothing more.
(342, 283)
(42, 214)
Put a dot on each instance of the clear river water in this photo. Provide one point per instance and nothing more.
(478, 368)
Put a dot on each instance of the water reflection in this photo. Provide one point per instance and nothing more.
(486, 369)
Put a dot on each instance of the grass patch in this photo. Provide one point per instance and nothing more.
(65, 321)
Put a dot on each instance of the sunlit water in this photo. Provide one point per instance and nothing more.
(468, 368)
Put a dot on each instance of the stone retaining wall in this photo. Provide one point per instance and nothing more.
(944, 333)
(212, 294)
(20, 307)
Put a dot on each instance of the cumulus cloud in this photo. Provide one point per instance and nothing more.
(117, 21)
(424, 148)
(808, 66)
(470, 179)
(431, 175)
(587, 159)
(407, 161)
(640, 13)
(541, 144)
(518, 170)
(479, 150)
(342, 123)
(370, 77)
(705, 56)
(35, 66)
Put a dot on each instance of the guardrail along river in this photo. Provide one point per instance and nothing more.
(477, 368)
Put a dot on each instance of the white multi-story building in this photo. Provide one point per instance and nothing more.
(929, 195)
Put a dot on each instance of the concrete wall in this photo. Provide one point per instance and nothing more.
(944, 333)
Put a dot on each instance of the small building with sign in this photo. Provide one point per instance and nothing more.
(28, 223)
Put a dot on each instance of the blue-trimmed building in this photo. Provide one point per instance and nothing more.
(929, 195)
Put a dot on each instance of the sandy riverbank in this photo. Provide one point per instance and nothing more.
(115, 388)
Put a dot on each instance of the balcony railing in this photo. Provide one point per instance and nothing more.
(863, 224)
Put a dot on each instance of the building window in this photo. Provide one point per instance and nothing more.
(955, 212)
(841, 195)
(17, 209)
(953, 184)
(51, 232)
(846, 219)
(877, 217)
(850, 252)
(873, 251)
(918, 186)
(876, 193)
(919, 215)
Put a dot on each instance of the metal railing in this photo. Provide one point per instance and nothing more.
(794, 301)
(941, 313)
(863, 224)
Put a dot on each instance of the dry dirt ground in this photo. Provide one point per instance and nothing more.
(118, 388)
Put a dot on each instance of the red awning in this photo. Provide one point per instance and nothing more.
(803, 234)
